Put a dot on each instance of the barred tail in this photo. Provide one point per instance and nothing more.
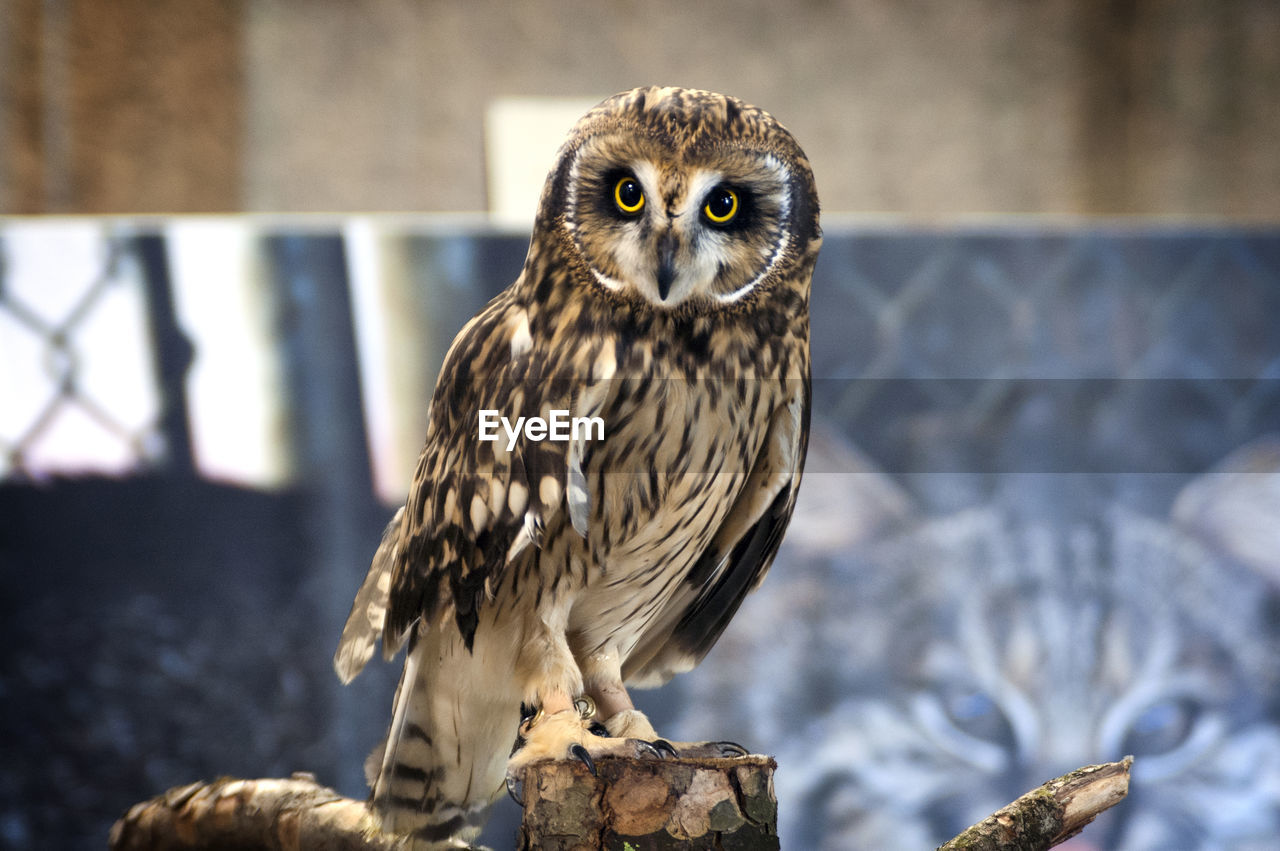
(446, 752)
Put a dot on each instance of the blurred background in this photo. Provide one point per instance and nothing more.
(1041, 522)
(919, 108)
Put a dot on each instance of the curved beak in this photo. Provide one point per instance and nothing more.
(667, 247)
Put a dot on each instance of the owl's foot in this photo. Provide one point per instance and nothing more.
(709, 750)
(572, 734)
(632, 723)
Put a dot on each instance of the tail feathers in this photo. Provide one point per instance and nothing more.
(445, 756)
(369, 611)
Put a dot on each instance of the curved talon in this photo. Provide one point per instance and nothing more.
(665, 748)
(648, 749)
(595, 728)
(728, 749)
(516, 790)
(529, 722)
(580, 753)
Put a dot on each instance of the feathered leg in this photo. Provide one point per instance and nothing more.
(602, 676)
(553, 681)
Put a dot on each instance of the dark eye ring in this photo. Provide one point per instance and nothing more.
(628, 196)
(722, 205)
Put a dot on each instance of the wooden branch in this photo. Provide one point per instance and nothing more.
(637, 804)
(1051, 814)
(272, 814)
(651, 804)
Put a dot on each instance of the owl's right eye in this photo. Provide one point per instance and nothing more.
(628, 196)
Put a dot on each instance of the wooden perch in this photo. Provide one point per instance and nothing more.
(276, 814)
(637, 804)
(651, 805)
(1051, 814)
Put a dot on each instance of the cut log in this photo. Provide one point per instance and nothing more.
(647, 805)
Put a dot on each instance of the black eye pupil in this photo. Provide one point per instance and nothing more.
(720, 204)
(629, 193)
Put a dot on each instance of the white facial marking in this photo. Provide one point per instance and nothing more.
(784, 215)
(698, 275)
(629, 252)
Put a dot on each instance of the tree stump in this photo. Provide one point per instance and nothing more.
(648, 805)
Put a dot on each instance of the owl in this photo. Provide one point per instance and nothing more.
(653, 356)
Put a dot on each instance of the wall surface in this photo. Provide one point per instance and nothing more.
(924, 109)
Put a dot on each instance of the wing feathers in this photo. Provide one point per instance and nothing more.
(369, 611)
(476, 504)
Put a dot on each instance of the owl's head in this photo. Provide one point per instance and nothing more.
(683, 199)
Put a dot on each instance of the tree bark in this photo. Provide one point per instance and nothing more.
(651, 805)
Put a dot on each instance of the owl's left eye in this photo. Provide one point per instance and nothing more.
(628, 195)
(721, 206)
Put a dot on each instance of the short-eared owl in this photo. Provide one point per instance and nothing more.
(663, 306)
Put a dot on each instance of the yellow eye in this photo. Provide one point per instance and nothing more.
(721, 206)
(628, 195)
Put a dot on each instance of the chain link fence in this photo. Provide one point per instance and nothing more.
(85, 325)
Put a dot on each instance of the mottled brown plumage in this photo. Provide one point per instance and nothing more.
(666, 292)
